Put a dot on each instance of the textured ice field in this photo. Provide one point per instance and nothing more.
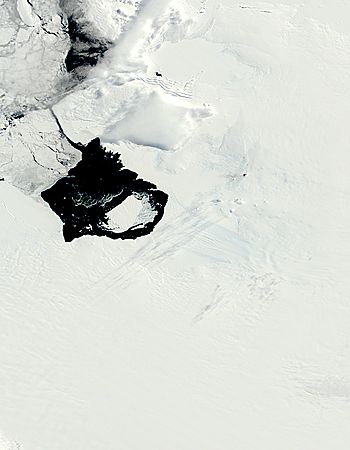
(227, 327)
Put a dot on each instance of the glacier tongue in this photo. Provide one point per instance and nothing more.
(227, 326)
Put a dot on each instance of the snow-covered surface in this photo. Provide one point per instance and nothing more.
(228, 326)
(123, 217)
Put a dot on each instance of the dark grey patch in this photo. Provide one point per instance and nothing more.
(17, 115)
(85, 50)
(96, 185)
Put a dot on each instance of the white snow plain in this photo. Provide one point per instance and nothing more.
(227, 328)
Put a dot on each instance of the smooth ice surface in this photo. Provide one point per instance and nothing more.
(124, 216)
(155, 122)
(227, 328)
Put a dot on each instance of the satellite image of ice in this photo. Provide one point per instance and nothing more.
(174, 225)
